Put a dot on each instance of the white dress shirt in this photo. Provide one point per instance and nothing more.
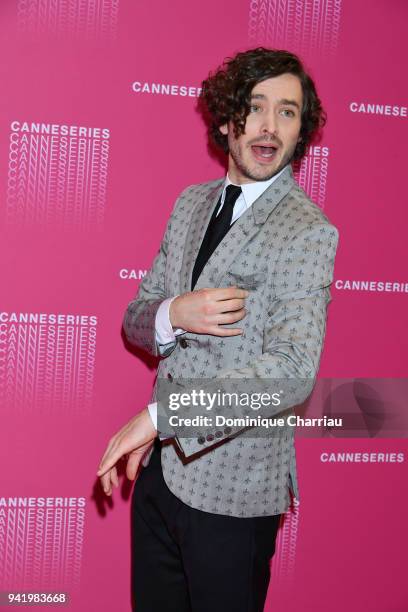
(165, 333)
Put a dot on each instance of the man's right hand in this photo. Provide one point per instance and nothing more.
(205, 311)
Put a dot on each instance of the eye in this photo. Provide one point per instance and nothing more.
(288, 110)
(254, 108)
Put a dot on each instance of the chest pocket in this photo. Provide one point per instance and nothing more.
(245, 281)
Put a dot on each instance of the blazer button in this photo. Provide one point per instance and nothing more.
(183, 343)
(209, 437)
(218, 434)
(227, 430)
(169, 376)
(201, 440)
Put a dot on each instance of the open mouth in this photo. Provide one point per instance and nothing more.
(264, 152)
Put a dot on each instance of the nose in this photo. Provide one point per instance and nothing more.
(269, 124)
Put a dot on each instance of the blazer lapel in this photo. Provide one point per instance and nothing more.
(195, 234)
(243, 230)
(270, 198)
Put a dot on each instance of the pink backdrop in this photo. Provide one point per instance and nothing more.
(82, 212)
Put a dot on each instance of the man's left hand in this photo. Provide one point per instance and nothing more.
(132, 440)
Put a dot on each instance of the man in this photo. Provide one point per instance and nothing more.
(237, 292)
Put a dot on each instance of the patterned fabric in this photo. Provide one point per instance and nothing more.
(282, 249)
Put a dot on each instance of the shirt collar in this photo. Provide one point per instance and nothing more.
(251, 191)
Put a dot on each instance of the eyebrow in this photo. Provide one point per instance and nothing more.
(281, 101)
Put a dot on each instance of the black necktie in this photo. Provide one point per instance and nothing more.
(217, 229)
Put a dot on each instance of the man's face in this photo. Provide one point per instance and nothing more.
(271, 131)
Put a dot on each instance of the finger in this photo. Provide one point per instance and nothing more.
(223, 331)
(121, 445)
(229, 305)
(225, 293)
(111, 459)
(114, 476)
(229, 317)
(228, 293)
(232, 316)
(112, 441)
(133, 466)
(105, 482)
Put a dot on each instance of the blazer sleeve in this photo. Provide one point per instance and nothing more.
(140, 315)
(293, 337)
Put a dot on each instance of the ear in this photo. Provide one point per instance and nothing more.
(224, 129)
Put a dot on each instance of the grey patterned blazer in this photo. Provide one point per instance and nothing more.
(282, 249)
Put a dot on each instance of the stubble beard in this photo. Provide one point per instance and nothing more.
(260, 175)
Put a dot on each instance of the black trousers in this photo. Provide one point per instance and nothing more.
(187, 560)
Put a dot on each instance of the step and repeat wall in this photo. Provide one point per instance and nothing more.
(99, 133)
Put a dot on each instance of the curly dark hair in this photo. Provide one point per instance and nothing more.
(225, 94)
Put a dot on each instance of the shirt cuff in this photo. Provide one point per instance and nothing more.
(152, 408)
(164, 329)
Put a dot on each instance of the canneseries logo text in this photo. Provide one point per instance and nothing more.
(165, 89)
(47, 361)
(57, 174)
(307, 26)
(371, 285)
(71, 18)
(371, 108)
(312, 174)
(132, 274)
(361, 457)
(41, 542)
(283, 561)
